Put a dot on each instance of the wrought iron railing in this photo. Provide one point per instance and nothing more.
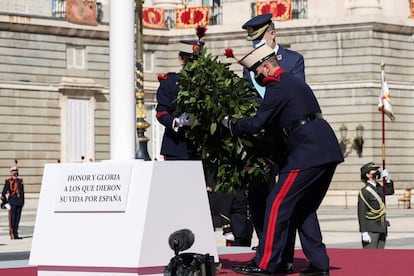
(299, 11)
(59, 9)
(215, 18)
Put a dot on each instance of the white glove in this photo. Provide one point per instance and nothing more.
(182, 120)
(229, 236)
(366, 237)
(384, 174)
(226, 121)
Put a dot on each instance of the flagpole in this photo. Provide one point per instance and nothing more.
(384, 182)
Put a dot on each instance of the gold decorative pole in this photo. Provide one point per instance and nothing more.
(142, 125)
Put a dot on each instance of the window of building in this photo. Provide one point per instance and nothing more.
(299, 9)
(155, 133)
(78, 130)
(75, 57)
(59, 8)
(148, 60)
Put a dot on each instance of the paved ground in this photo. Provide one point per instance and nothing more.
(338, 222)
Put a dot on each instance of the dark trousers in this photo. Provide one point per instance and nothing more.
(293, 201)
(377, 240)
(257, 201)
(16, 212)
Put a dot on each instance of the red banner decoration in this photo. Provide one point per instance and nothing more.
(281, 9)
(412, 8)
(153, 18)
(81, 12)
(192, 17)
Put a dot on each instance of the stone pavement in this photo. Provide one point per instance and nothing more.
(337, 216)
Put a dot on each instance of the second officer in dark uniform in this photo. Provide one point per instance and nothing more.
(236, 220)
(174, 145)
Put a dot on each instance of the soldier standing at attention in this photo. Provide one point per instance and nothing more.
(13, 193)
(371, 207)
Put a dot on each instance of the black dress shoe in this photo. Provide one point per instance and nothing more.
(286, 268)
(313, 271)
(250, 269)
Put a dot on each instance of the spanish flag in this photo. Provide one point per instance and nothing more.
(385, 101)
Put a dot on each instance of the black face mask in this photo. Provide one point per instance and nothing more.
(259, 79)
(377, 175)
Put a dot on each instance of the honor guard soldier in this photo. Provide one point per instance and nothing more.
(174, 146)
(371, 206)
(236, 219)
(313, 154)
(261, 30)
(13, 193)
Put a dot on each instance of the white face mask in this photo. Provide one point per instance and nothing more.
(260, 43)
(269, 41)
(260, 89)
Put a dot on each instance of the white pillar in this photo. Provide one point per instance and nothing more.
(122, 80)
(168, 4)
(365, 7)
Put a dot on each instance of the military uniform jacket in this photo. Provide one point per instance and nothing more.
(173, 143)
(13, 190)
(293, 63)
(235, 214)
(370, 217)
(287, 98)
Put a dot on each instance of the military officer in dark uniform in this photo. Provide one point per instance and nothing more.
(174, 146)
(236, 220)
(261, 30)
(313, 154)
(371, 207)
(13, 193)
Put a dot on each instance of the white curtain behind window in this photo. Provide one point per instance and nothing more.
(78, 130)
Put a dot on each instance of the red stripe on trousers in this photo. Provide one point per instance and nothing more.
(274, 212)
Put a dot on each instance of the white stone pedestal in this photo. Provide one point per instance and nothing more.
(115, 218)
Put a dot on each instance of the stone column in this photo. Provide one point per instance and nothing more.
(168, 4)
(122, 79)
(365, 7)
